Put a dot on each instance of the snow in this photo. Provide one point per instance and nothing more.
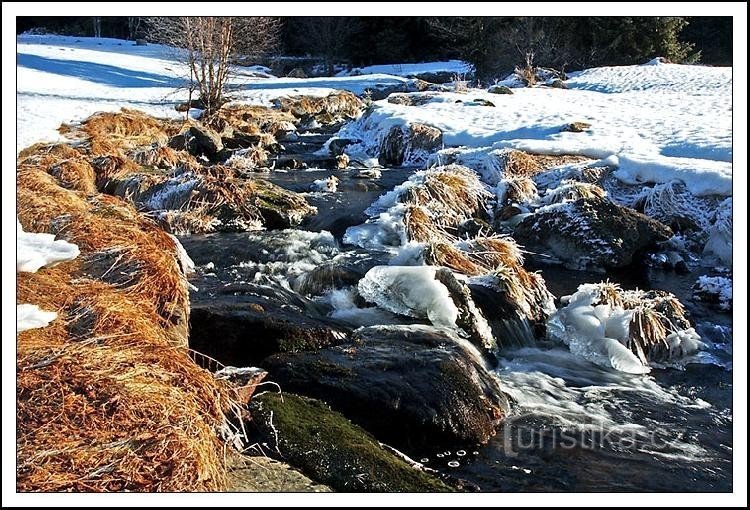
(34, 251)
(329, 184)
(66, 79)
(662, 122)
(31, 316)
(717, 286)
(410, 290)
(719, 244)
(457, 67)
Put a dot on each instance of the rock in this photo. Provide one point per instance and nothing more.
(195, 103)
(181, 142)
(245, 330)
(328, 448)
(435, 77)
(409, 144)
(261, 474)
(577, 127)
(243, 380)
(590, 233)
(508, 211)
(337, 145)
(279, 207)
(297, 72)
(140, 42)
(473, 227)
(411, 99)
(207, 141)
(499, 89)
(558, 84)
(483, 102)
(470, 319)
(411, 385)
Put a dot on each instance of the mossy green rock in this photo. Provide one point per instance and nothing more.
(411, 386)
(328, 448)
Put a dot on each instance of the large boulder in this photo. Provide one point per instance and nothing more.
(328, 448)
(243, 330)
(207, 142)
(409, 144)
(590, 233)
(411, 385)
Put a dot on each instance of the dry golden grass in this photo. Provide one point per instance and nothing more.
(451, 194)
(497, 251)
(252, 120)
(108, 397)
(111, 168)
(517, 163)
(441, 253)
(520, 190)
(105, 132)
(419, 225)
(656, 315)
(574, 190)
(337, 105)
(249, 159)
(70, 167)
(98, 415)
(40, 200)
(164, 158)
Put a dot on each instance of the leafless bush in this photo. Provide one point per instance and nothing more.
(210, 45)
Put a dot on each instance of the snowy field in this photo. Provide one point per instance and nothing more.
(657, 122)
(64, 79)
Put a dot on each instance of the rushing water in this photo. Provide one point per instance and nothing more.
(575, 426)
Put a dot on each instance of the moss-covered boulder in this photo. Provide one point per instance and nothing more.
(412, 386)
(331, 450)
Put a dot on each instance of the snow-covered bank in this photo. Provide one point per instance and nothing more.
(457, 67)
(66, 79)
(662, 122)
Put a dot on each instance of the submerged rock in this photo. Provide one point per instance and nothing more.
(328, 448)
(590, 233)
(411, 385)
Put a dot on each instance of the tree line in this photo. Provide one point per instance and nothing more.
(494, 45)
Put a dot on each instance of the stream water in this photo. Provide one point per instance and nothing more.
(575, 426)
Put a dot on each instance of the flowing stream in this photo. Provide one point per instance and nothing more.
(575, 426)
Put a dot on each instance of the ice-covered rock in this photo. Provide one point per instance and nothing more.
(714, 289)
(412, 291)
(624, 330)
(590, 233)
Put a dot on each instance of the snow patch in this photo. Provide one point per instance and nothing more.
(31, 317)
(34, 250)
